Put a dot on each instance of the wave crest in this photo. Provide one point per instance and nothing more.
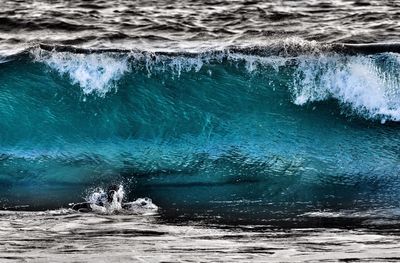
(94, 73)
(368, 84)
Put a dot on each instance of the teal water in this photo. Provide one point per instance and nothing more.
(216, 133)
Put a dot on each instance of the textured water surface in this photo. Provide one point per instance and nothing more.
(220, 133)
(171, 24)
(261, 130)
(61, 236)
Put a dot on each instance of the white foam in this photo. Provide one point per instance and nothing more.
(141, 205)
(368, 87)
(94, 73)
(100, 204)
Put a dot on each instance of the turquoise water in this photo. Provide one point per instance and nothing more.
(214, 133)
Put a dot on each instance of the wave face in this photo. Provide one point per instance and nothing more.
(215, 132)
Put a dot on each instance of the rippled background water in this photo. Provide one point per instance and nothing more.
(168, 24)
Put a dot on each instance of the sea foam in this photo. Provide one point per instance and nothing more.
(368, 86)
(94, 73)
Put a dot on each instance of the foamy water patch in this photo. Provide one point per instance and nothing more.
(94, 73)
(102, 203)
(368, 84)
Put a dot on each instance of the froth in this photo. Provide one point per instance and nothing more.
(94, 73)
(368, 84)
(100, 203)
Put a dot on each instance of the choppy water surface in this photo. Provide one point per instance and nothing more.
(128, 24)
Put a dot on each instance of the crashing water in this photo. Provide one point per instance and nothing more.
(99, 203)
(253, 135)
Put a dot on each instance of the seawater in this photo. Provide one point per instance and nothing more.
(223, 134)
(262, 131)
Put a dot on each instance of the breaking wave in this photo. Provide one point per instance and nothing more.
(300, 122)
(367, 83)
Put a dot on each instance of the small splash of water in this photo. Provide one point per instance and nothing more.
(112, 202)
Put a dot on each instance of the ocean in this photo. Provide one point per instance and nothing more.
(229, 126)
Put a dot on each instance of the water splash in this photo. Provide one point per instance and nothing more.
(100, 202)
(94, 73)
(370, 85)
